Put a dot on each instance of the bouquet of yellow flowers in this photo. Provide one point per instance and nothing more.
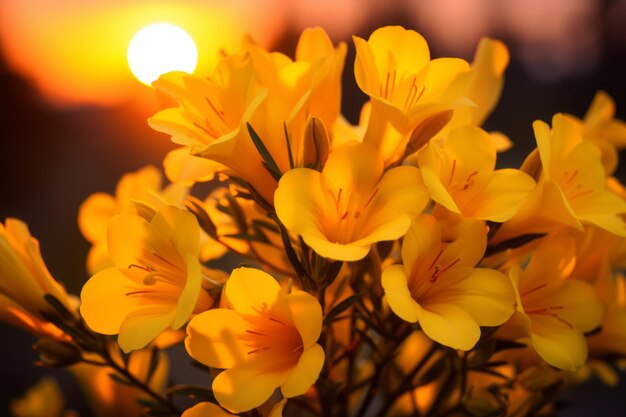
(384, 269)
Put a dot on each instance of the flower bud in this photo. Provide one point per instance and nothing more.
(427, 130)
(56, 353)
(316, 145)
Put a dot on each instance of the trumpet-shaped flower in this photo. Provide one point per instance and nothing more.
(157, 281)
(275, 94)
(406, 88)
(460, 175)
(490, 62)
(553, 311)
(439, 286)
(602, 128)
(25, 280)
(351, 204)
(571, 188)
(142, 186)
(265, 340)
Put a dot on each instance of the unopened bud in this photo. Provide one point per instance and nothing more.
(316, 146)
(427, 130)
(56, 353)
(144, 210)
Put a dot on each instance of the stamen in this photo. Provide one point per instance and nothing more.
(143, 268)
(219, 113)
(138, 292)
(369, 200)
(261, 349)
(410, 94)
(452, 171)
(532, 290)
(156, 255)
(435, 260)
(254, 332)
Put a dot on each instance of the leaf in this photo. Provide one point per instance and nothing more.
(196, 207)
(268, 160)
(59, 307)
(289, 152)
(513, 243)
(120, 379)
(342, 306)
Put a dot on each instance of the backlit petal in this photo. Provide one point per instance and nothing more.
(306, 314)
(244, 388)
(449, 325)
(395, 284)
(250, 290)
(212, 338)
(305, 373)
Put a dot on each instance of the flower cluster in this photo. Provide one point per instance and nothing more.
(385, 269)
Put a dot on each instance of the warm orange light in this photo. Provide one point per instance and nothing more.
(160, 48)
(75, 52)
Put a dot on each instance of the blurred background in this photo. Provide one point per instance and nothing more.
(73, 117)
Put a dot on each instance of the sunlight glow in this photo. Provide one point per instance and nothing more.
(160, 48)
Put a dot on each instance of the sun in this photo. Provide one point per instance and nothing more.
(159, 48)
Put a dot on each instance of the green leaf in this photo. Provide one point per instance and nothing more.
(120, 379)
(289, 152)
(268, 160)
(342, 306)
(513, 243)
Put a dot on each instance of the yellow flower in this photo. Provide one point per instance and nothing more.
(266, 339)
(268, 90)
(553, 311)
(571, 186)
(602, 128)
(25, 280)
(142, 186)
(611, 340)
(485, 86)
(439, 286)
(406, 88)
(157, 281)
(351, 204)
(459, 173)
(206, 409)
(44, 399)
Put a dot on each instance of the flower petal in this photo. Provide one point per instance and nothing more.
(449, 325)
(243, 388)
(104, 305)
(306, 314)
(212, 338)
(250, 290)
(305, 373)
(487, 295)
(206, 409)
(559, 346)
(143, 326)
(395, 284)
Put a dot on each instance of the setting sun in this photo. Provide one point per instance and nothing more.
(160, 48)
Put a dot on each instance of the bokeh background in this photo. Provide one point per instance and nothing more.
(73, 118)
